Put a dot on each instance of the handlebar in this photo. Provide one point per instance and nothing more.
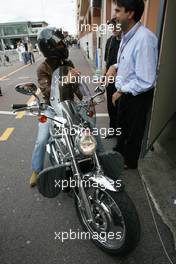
(18, 106)
(34, 107)
(38, 106)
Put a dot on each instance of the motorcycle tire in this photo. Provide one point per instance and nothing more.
(131, 223)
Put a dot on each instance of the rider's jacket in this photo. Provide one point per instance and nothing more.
(44, 75)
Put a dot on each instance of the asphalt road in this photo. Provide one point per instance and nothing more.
(28, 221)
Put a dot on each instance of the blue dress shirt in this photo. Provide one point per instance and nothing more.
(137, 61)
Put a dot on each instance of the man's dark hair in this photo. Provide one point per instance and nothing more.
(132, 5)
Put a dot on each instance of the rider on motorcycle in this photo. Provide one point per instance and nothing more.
(51, 44)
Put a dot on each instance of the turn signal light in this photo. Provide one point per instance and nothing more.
(42, 119)
(90, 113)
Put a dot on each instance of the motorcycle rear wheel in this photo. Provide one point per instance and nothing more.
(114, 213)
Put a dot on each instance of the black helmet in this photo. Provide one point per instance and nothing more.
(48, 40)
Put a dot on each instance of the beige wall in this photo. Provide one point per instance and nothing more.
(108, 9)
(150, 16)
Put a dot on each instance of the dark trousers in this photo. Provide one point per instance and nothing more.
(31, 57)
(132, 112)
(25, 57)
(112, 110)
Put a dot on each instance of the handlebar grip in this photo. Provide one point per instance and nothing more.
(18, 106)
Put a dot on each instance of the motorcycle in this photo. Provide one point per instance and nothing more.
(104, 209)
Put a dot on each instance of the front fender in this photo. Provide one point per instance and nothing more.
(106, 183)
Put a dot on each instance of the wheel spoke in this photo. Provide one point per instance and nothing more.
(107, 216)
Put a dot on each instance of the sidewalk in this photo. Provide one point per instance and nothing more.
(158, 170)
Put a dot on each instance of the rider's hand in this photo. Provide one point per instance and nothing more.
(115, 97)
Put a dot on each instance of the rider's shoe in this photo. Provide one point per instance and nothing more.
(33, 179)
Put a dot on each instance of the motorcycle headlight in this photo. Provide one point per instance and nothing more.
(87, 144)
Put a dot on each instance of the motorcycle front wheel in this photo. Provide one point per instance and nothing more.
(116, 227)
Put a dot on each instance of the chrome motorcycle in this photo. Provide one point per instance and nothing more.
(78, 164)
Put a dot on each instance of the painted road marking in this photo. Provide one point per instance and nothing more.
(6, 79)
(102, 115)
(20, 115)
(19, 69)
(11, 73)
(6, 134)
(32, 98)
(29, 114)
(24, 77)
(11, 113)
(6, 113)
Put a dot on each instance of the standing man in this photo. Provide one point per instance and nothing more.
(30, 52)
(135, 73)
(22, 52)
(111, 50)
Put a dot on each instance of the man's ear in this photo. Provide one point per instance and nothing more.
(131, 14)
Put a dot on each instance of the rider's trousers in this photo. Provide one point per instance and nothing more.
(38, 154)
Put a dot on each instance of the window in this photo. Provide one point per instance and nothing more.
(15, 30)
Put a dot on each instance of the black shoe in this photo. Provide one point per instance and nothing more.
(115, 149)
(130, 167)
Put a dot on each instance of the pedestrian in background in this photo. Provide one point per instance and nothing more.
(78, 44)
(19, 50)
(30, 52)
(22, 52)
(111, 50)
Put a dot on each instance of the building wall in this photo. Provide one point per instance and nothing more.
(108, 9)
(100, 16)
(151, 14)
(88, 38)
(109, 13)
(88, 15)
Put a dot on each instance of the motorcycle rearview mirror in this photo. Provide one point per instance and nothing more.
(26, 88)
(98, 89)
